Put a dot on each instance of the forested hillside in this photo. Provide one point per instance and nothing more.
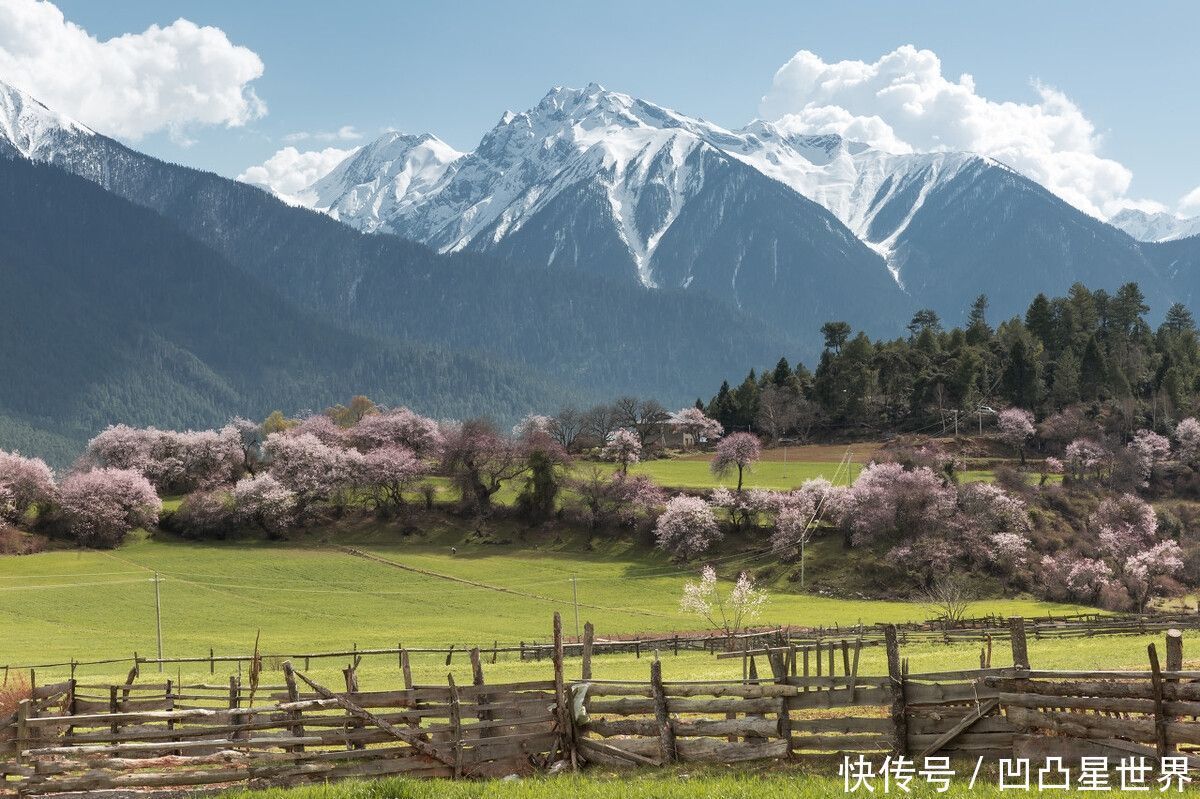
(110, 313)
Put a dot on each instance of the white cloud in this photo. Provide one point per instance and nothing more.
(903, 103)
(344, 133)
(289, 171)
(165, 78)
(1190, 202)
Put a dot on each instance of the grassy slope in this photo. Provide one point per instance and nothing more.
(308, 596)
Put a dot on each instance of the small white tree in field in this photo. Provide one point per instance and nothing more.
(727, 611)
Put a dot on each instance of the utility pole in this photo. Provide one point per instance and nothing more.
(575, 600)
(158, 619)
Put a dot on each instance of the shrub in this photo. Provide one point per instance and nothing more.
(15, 542)
(204, 514)
(14, 690)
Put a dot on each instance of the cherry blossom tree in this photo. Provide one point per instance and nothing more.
(479, 460)
(740, 450)
(1187, 435)
(398, 427)
(204, 514)
(322, 428)
(794, 526)
(1125, 524)
(726, 612)
(1144, 569)
(1085, 456)
(26, 483)
(888, 501)
(608, 497)
(101, 506)
(387, 472)
(308, 467)
(623, 447)
(175, 462)
(694, 422)
(1085, 578)
(1008, 550)
(546, 462)
(988, 509)
(1016, 428)
(687, 527)
(1150, 449)
(264, 502)
(1050, 465)
(744, 507)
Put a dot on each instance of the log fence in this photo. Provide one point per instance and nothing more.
(792, 701)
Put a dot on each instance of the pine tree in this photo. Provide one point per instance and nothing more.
(1093, 374)
(1020, 379)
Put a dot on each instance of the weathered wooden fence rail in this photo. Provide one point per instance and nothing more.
(755, 642)
(808, 702)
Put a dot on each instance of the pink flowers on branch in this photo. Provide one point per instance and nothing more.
(623, 447)
(101, 506)
(1016, 428)
(1187, 434)
(687, 527)
(726, 612)
(736, 450)
(694, 422)
(174, 462)
(1149, 449)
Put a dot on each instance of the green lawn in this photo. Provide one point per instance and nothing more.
(308, 596)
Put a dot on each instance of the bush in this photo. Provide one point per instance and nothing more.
(15, 542)
(14, 690)
(204, 514)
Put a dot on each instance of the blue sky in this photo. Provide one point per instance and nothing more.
(451, 69)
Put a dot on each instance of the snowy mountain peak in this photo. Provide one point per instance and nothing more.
(1160, 226)
(30, 127)
(382, 178)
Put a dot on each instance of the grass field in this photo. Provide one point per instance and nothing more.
(310, 596)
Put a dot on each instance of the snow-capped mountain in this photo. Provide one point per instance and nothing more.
(595, 179)
(453, 202)
(30, 129)
(1160, 226)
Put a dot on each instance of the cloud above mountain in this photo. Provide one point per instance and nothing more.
(165, 78)
(289, 170)
(1190, 203)
(903, 103)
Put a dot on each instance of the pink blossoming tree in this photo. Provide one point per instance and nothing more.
(687, 527)
(736, 450)
(26, 483)
(101, 506)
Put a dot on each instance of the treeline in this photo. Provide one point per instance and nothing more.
(1090, 347)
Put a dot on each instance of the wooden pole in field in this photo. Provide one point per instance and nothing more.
(589, 639)
(662, 717)
(896, 677)
(1020, 647)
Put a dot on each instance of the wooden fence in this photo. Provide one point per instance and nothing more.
(808, 703)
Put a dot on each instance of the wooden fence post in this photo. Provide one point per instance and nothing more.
(662, 716)
(481, 699)
(297, 729)
(896, 676)
(234, 702)
(455, 726)
(1020, 647)
(1160, 719)
(566, 722)
(589, 638)
(22, 728)
(1174, 650)
(406, 669)
(350, 673)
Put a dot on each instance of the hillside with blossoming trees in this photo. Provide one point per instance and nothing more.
(1030, 498)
